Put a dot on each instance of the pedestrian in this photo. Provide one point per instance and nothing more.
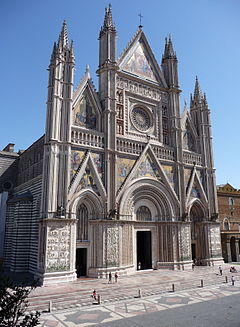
(193, 266)
(109, 277)
(220, 270)
(139, 265)
(232, 280)
(116, 277)
(94, 294)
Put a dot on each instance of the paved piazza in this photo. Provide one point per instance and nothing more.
(148, 310)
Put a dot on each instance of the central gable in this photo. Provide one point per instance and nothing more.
(138, 59)
(139, 63)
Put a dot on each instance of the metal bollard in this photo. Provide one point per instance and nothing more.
(139, 293)
(173, 288)
(226, 279)
(50, 306)
(99, 299)
(201, 282)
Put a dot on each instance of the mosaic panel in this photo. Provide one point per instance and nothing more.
(139, 64)
(170, 173)
(124, 166)
(98, 160)
(195, 192)
(84, 114)
(87, 181)
(147, 168)
(187, 175)
(76, 159)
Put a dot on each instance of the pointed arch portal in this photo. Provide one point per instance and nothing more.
(199, 240)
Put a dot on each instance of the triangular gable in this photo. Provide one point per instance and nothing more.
(195, 189)
(138, 59)
(87, 177)
(86, 105)
(148, 166)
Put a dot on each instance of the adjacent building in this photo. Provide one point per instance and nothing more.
(120, 180)
(229, 216)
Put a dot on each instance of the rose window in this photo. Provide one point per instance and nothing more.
(141, 119)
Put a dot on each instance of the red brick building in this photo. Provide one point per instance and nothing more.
(229, 216)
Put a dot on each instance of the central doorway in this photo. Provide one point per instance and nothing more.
(144, 250)
(81, 262)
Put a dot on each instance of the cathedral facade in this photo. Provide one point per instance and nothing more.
(120, 181)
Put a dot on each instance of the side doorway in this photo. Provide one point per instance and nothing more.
(81, 262)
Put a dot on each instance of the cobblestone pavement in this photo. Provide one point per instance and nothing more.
(72, 304)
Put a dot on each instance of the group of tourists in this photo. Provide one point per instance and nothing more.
(110, 275)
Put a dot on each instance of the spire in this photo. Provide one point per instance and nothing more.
(169, 52)
(108, 22)
(63, 37)
(197, 91)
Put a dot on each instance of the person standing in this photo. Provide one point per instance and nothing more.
(109, 277)
(116, 277)
(232, 280)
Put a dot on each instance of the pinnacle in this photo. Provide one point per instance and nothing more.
(169, 52)
(63, 37)
(197, 91)
(108, 22)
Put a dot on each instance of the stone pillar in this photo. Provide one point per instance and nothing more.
(229, 255)
(237, 249)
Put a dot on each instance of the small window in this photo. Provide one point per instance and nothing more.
(226, 224)
(231, 201)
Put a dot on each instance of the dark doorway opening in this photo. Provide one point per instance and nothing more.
(144, 250)
(233, 249)
(81, 262)
(193, 251)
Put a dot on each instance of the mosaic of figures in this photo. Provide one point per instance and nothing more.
(140, 89)
(170, 173)
(147, 168)
(124, 166)
(195, 192)
(87, 181)
(77, 158)
(187, 175)
(84, 114)
(139, 64)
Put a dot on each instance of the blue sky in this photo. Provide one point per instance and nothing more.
(205, 36)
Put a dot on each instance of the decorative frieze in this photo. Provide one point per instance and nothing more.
(141, 89)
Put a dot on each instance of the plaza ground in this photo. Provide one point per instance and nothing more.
(72, 305)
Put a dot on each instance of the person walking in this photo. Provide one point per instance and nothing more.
(109, 277)
(232, 280)
(116, 277)
(220, 270)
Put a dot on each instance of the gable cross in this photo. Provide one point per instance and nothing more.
(140, 18)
